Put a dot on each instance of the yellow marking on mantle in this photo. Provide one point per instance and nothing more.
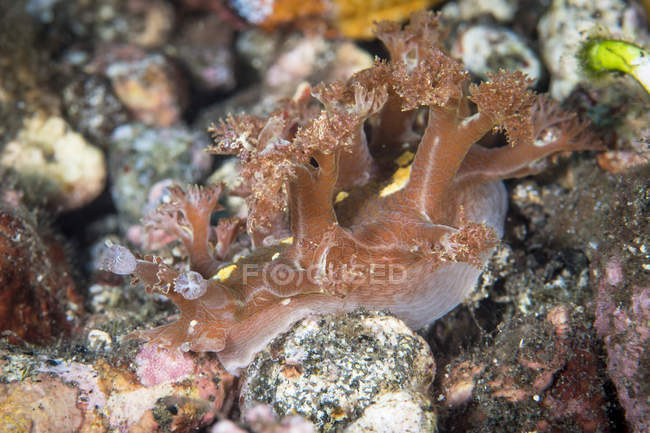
(400, 178)
(224, 273)
(405, 158)
(342, 195)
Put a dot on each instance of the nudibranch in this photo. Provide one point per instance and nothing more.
(374, 193)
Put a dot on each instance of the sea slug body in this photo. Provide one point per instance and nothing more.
(350, 204)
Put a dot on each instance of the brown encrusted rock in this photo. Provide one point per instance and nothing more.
(542, 375)
(38, 296)
(330, 369)
(623, 321)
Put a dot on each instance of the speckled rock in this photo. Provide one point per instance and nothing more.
(563, 229)
(92, 108)
(142, 156)
(55, 164)
(147, 23)
(568, 22)
(331, 369)
(486, 49)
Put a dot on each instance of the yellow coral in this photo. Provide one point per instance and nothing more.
(354, 18)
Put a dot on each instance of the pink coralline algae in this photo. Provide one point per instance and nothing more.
(354, 202)
(154, 366)
(623, 321)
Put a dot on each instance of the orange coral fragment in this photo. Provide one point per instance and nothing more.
(352, 18)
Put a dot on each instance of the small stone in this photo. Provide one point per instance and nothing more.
(466, 10)
(98, 339)
(204, 46)
(154, 21)
(228, 173)
(156, 365)
(147, 83)
(225, 426)
(285, 62)
(24, 70)
(622, 161)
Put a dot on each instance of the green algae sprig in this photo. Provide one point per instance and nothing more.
(600, 56)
